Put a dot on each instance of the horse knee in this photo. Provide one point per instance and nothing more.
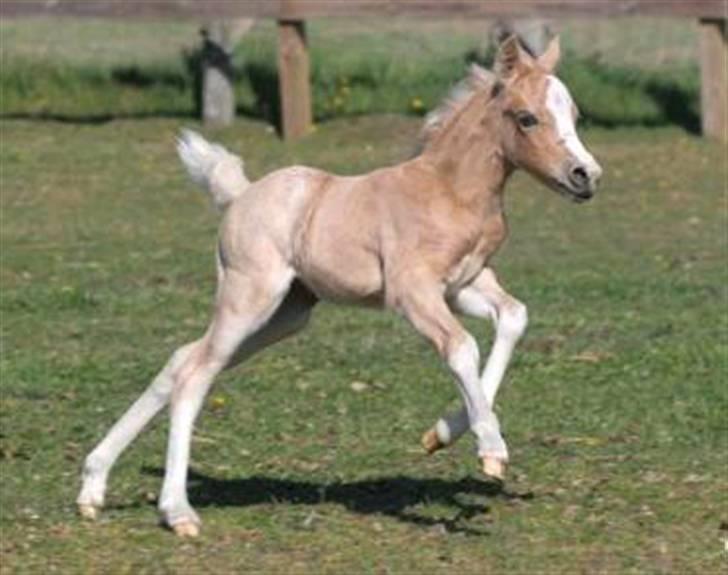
(462, 354)
(178, 369)
(513, 320)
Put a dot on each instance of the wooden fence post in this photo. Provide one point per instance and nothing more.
(293, 73)
(713, 54)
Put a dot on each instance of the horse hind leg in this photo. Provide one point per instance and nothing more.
(245, 306)
(290, 317)
(99, 462)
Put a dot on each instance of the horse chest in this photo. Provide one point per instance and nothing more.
(471, 263)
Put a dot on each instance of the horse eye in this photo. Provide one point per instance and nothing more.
(526, 120)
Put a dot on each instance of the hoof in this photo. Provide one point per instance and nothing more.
(87, 511)
(431, 442)
(186, 529)
(494, 469)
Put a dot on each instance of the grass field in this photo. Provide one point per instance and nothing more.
(615, 408)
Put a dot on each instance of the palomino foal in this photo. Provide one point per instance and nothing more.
(415, 237)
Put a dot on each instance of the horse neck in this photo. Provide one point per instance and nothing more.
(468, 155)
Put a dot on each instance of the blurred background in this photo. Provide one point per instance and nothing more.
(635, 71)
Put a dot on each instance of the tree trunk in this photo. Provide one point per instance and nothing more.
(218, 94)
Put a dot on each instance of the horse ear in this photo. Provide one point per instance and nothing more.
(511, 58)
(550, 58)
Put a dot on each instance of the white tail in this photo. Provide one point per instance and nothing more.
(212, 167)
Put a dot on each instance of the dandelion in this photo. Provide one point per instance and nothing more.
(217, 402)
(417, 104)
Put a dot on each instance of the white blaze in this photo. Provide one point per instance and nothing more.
(561, 106)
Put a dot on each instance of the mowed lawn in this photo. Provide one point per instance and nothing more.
(614, 409)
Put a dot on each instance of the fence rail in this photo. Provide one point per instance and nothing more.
(291, 15)
(306, 9)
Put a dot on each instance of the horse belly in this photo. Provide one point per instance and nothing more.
(343, 275)
(337, 251)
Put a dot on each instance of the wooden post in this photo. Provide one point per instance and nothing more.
(293, 73)
(713, 54)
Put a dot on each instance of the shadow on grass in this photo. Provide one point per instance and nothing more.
(147, 77)
(675, 102)
(92, 119)
(391, 496)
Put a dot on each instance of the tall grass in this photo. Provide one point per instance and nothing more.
(355, 75)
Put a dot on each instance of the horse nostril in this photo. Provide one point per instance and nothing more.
(579, 176)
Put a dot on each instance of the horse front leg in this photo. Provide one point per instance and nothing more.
(484, 299)
(428, 312)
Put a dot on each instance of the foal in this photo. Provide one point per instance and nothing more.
(415, 237)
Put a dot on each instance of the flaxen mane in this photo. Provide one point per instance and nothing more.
(478, 78)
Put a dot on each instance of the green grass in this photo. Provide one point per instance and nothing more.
(98, 71)
(615, 408)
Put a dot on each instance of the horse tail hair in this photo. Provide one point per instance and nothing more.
(212, 167)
